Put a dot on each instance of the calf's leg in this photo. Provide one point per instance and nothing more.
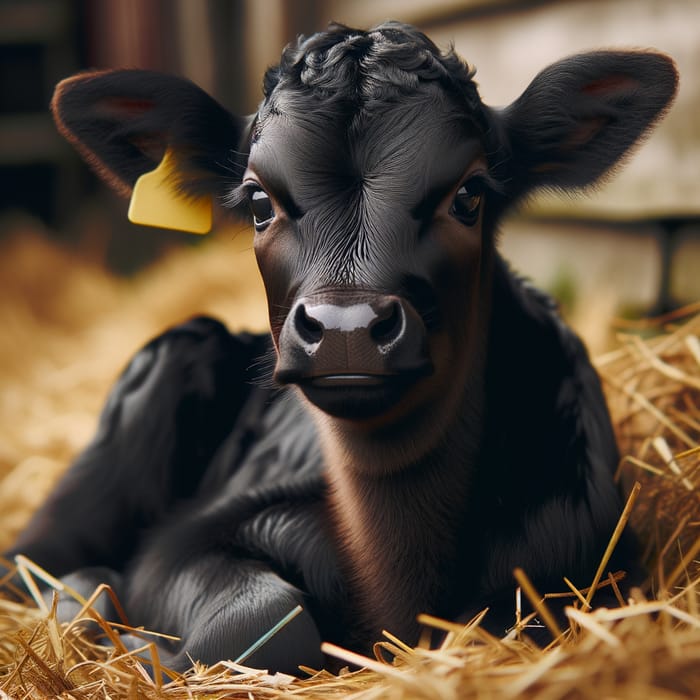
(220, 606)
(165, 417)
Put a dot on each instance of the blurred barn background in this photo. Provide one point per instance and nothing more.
(81, 288)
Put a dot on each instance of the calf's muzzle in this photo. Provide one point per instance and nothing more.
(353, 356)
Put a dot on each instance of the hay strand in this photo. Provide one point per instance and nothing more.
(537, 602)
(263, 639)
(614, 539)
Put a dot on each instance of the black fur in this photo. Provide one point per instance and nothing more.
(215, 501)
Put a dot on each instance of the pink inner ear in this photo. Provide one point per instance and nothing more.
(611, 84)
(151, 145)
(585, 133)
(120, 107)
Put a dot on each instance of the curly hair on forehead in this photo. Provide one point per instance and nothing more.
(357, 66)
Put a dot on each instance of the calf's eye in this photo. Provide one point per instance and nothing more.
(261, 208)
(467, 202)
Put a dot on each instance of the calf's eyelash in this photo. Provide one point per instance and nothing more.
(238, 195)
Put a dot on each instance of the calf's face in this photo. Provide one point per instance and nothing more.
(369, 241)
(374, 177)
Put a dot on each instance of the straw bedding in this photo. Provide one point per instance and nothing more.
(68, 328)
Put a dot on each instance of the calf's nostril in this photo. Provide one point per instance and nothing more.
(309, 329)
(388, 326)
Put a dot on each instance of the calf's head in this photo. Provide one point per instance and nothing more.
(375, 178)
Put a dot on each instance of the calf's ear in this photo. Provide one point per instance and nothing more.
(581, 115)
(122, 122)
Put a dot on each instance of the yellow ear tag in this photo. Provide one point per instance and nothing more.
(156, 201)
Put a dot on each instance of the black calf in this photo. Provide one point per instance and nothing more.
(434, 424)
